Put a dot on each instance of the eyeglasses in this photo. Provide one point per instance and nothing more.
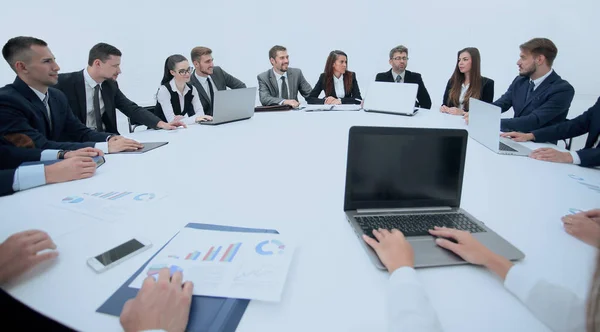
(398, 58)
(185, 71)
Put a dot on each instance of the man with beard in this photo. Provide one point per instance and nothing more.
(281, 84)
(94, 94)
(207, 78)
(539, 96)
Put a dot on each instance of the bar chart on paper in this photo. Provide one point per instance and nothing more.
(224, 254)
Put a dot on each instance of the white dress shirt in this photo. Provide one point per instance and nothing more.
(539, 80)
(556, 307)
(463, 92)
(90, 84)
(163, 96)
(204, 82)
(102, 146)
(280, 82)
(395, 75)
(32, 176)
(338, 83)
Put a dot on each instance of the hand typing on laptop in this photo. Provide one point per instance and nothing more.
(393, 249)
(545, 154)
(120, 143)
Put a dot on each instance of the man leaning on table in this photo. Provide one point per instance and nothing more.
(586, 123)
(281, 84)
(31, 106)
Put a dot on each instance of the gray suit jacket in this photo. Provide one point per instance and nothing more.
(268, 89)
(222, 80)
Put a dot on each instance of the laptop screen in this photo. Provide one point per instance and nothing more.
(404, 167)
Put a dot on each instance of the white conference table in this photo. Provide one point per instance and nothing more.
(287, 171)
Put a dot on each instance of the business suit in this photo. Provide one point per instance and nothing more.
(22, 111)
(221, 80)
(586, 123)
(486, 94)
(10, 159)
(547, 105)
(73, 86)
(350, 97)
(268, 87)
(423, 99)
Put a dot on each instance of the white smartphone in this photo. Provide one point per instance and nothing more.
(116, 255)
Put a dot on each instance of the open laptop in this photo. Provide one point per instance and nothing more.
(232, 105)
(391, 98)
(484, 127)
(411, 179)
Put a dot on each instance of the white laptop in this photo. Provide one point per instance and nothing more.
(391, 98)
(232, 105)
(484, 127)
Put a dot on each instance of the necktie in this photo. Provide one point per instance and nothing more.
(97, 113)
(284, 88)
(211, 93)
(398, 79)
(529, 91)
(45, 101)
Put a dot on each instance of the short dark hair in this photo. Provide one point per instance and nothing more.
(398, 49)
(102, 51)
(17, 49)
(541, 46)
(273, 51)
(199, 51)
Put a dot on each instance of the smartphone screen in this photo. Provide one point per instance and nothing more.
(119, 252)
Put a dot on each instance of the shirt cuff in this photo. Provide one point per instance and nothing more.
(49, 155)
(519, 282)
(102, 146)
(407, 274)
(576, 159)
(27, 177)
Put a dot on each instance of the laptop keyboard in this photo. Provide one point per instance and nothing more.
(504, 147)
(417, 224)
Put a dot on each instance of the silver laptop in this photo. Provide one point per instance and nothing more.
(411, 179)
(392, 98)
(484, 127)
(232, 105)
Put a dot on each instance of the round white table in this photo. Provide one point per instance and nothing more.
(287, 171)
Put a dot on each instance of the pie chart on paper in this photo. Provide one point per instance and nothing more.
(144, 197)
(72, 200)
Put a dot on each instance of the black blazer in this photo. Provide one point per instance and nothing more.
(73, 86)
(548, 104)
(21, 111)
(586, 123)
(350, 97)
(423, 99)
(487, 92)
(10, 158)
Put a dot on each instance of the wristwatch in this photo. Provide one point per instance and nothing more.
(61, 154)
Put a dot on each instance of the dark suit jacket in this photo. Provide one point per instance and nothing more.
(588, 122)
(350, 97)
(10, 158)
(487, 92)
(21, 111)
(423, 99)
(73, 85)
(222, 80)
(548, 105)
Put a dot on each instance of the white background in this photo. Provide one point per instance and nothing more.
(241, 32)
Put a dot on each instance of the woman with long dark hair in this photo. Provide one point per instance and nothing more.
(340, 85)
(176, 99)
(466, 82)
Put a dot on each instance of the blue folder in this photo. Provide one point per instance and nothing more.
(207, 314)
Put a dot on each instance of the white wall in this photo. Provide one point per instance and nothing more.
(240, 32)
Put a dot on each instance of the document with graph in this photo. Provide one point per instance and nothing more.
(239, 265)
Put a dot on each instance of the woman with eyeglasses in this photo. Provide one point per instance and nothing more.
(176, 99)
(466, 82)
(339, 84)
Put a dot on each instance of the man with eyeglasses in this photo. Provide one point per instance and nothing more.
(399, 74)
(94, 94)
